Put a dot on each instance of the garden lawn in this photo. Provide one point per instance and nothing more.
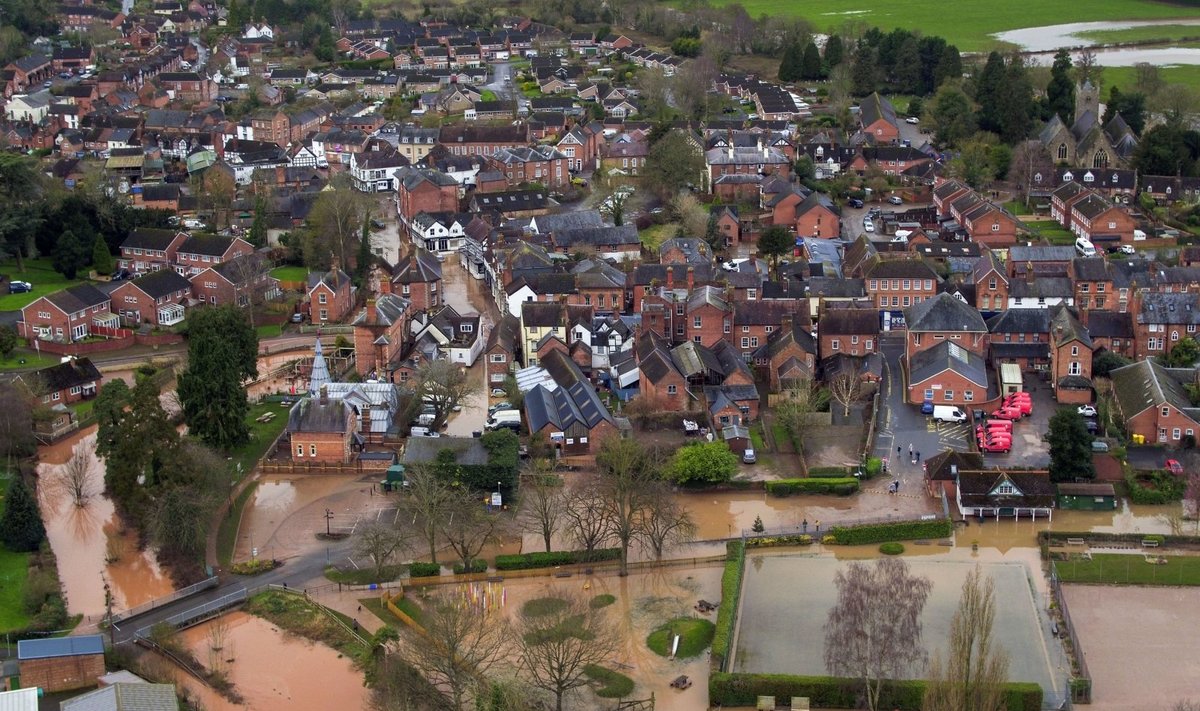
(32, 360)
(695, 636)
(972, 22)
(612, 684)
(655, 235)
(1124, 77)
(1120, 569)
(1053, 232)
(269, 331)
(37, 272)
(14, 567)
(290, 273)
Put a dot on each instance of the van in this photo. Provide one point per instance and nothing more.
(948, 413)
(1085, 247)
(423, 432)
(502, 418)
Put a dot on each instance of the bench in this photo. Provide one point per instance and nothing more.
(1149, 544)
(1076, 542)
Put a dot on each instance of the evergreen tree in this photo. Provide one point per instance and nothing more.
(362, 266)
(790, 65)
(1070, 447)
(949, 67)
(138, 442)
(1060, 92)
(102, 259)
(906, 71)
(835, 51)
(1131, 106)
(988, 92)
(1016, 107)
(70, 255)
(222, 354)
(21, 528)
(864, 71)
(811, 65)
(258, 228)
(953, 119)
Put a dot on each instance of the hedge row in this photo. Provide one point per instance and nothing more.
(525, 561)
(731, 589)
(899, 531)
(802, 539)
(478, 565)
(842, 486)
(832, 692)
(818, 472)
(424, 570)
(1155, 488)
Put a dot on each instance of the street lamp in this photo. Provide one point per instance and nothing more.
(328, 518)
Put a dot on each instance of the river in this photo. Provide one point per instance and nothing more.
(1047, 39)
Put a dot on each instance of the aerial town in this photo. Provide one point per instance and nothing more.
(532, 355)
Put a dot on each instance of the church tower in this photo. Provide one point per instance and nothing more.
(1087, 98)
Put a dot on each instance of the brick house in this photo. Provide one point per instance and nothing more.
(424, 190)
(242, 281)
(381, 336)
(1101, 222)
(944, 318)
(572, 417)
(69, 59)
(756, 161)
(330, 296)
(147, 249)
(851, 331)
(877, 119)
(991, 282)
(1153, 402)
(1112, 331)
(321, 429)
(815, 216)
(419, 279)
(984, 221)
(188, 86)
(1162, 320)
(1022, 337)
(66, 383)
(464, 140)
(271, 127)
(200, 252)
(156, 298)
(61, 663)
(500, 353)
(1061, 200)
(755, 321)
(68, 315)
(946, 192)
(1071, 351)
(789, 356)
(947, 374)
(536, 164)
(660, 380)
(896, 284)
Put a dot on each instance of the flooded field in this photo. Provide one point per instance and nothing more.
(87, 539)
(314, 677)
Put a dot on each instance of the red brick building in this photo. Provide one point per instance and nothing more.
(68, 315)
(500, 354)
(199, 252)
(321, 429)
(944, 318)
(1152, 401)
(61, 663)
(849, 331)
(991, 283)
(467, 140)
(381, 335)
(242, 281)
(947, 374)
(877, 119)
(66, 383)
(1100, 221)
(156, 298)
(419, 279)
(536, 164)
(330, 296)
(188, 86)
(1071, 351)
(147, 249)
(661, 382)
(425, 190)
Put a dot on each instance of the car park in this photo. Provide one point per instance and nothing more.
(19, 287)
(1007, 413)
(500, 406)
(896, 200)
(1005, 425)
(868, 225)
(1087, 410)
(949, 413)
(855, 203)
(996, 447)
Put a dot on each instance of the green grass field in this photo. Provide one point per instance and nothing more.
(655, 235)
(14, 569)
(1121, 569)
(695, 636)
(1168, 33)
(968, 24)
(262, 434)
(1124, 77)
(291, 273)
(31, 357)
(1053, 232)
(37, 272)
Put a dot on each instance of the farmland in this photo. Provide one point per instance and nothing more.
(972, 22)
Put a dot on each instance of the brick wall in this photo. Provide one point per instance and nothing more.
(62, 673)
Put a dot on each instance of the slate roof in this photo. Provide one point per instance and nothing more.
(206, 245)
(425, 450)
(60, 647)
(574, 401)
(162, 283)
(849, 322)
(77, 372)
(943, 312)
(937, 467)
(149, 238)
(421, 267)
(311, 415)
(1090, 268)
(1029, 320)
(623, 235)
(389, 308)
(1173, 308)
(945, 356)
(126, 696)
(1042, 287)
(875, 107)
(1110, 324)
(975, 487)
(506, 334)
(1039, 253)
(1145, 384)
(77, 298)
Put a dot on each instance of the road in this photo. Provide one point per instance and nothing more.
(500, 85)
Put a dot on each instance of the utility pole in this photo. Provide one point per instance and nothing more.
(328, 518)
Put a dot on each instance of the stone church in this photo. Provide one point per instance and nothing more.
(1087, 143)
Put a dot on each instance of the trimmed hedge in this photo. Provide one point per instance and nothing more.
(803, 539)
(832, 692)
(842, 486)
(884, 532)
(525, 561)
(478, 565)
(731, 590)
(424, 570)
(829, 472)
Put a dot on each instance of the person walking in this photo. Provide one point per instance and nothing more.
(910, 449)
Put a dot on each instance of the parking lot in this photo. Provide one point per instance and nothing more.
(1029, 449)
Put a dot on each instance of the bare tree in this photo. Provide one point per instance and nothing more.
(428, 501)
(556, 647)
(380, 544)
(693, 84)
(1147, 80)
(1087, 67)
(628, 475)
(542, 501)
(874, 631)
(461, 644)
(76, 476)
(795, 408)
(846, 388)
(655, 88)
(583, 518)
(1030, 160)
(974, 673)
(398, 686)
(466, 526)
(690, 214)
(250, 274)
(335, 224)
(443, 385)
(665, 524)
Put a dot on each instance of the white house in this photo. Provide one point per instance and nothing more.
(458, 337)
(263, 31)
(441, 232)
(28, 107)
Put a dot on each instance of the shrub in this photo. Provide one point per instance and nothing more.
(874, 467)
(772, 541)
(731, 589)
(825, 692)
(478, 565)
(825, 472)
(710, 462)
(525, 561)
(424, 570)
(1154, 488)
(543, 606)
(614, 685)
(891, 548)
(694, 633)
(253, 567)
(899, 531)
(841, 486)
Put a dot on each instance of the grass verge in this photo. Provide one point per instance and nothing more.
(14, 572)
(31, 360)
(262, 434)
(695, 635)
(227, 531)
(1121, 569)
(364, 576)
(302, 617)
(612, 684)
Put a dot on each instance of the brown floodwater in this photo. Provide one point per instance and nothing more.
(725, 514)
(85, 537)
(271, 669)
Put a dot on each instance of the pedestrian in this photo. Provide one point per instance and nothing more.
(910, 449)
(818, 524)
(897, 485)
(918, 455)
(805, 524)
(285, 585)
(897, 450)
(360, 608)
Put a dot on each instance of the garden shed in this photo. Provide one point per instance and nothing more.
(1087, 497)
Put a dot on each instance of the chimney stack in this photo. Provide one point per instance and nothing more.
(370, 311)
(691, 278)
(670, 277)
(324, 395)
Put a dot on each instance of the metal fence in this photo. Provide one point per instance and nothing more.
(167, 599)
(1081, 684)
(200, 613)
(816, 527)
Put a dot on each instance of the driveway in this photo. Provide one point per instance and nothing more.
(500, 84)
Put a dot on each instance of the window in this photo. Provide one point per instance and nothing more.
(696, 322)
(854, 340)
(672, 389)
(404, 290)
(992, 284)
(1166, 411)
(1174, 335)
(929, 394)
(1085, 288)
(906, 301)
(697, 339)
(947, 395)
(324, 314)
(497, 358)
(908, 285)
(995, 227)
(1074, 368)
(56, 396)
(874, 285)
(836, 345)
(727, 327)
(745, 342)
(869, 344)
(754, 342)
(1175, 433)
(1074, 350)
(1006, 489)
(299, 450)
(968, 395)
(321, 299)
(76, 390)
(895, 301)
(312, 449)
(678, 309)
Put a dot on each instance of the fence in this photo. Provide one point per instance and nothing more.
(1081, 684)
(868, 448)
(324, 610)
(198, 614)
(167, 599)
(815, 527)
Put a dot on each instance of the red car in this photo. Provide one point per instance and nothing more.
(1007, 413)
(1175, 467)
(1002, 447)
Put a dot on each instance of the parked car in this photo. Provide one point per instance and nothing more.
(498, 392)
(855, 203)
(1175, 467)
(297, 317)
(1021, 405)
(927, 407)
(748, 456)
(868, 225)
(996, 447)
(1006, 413)
(1091, 426)
(896, 200)
(1087, 410)
(1128, 249)
(1099, 445)
(500, 406)
(423, 432)
(19, 287)
(912, 119)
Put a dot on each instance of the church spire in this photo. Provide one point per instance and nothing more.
(320, 372)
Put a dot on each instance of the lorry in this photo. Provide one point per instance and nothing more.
(948, 413)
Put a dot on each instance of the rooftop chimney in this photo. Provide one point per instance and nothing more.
(670, 277)
(691, 277)
(370, 311)
(324, 394)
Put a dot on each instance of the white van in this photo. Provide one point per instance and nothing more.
(423, 432)
(504, 418)
(948, 413)
(1085, 247)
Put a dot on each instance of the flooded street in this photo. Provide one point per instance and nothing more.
(726, 514)
(86, 538)
(286, 512)
(314, 677)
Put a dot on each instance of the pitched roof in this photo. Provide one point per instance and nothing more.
(976, 488)
(874, 108)
(1145, 384)
(206, 245)
(150, 238)
(943, 312)
(1020, 321)
(312, 415)
(60, 647)
(573, 400)
(938, 467)
(77, 298)
(420, 267)
(849, 321)
(162, 283)
(948, 356)
(125, 696)
(74, 373)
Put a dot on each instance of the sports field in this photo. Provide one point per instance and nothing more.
(969, 23)
(786, 600)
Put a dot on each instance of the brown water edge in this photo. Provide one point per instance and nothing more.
(271, 669)
(83, 538)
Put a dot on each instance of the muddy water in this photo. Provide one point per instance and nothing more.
(314, 677)
(85, 537)
(286, 512)
(1049, 38)
(1006, 534)
(725, 514)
